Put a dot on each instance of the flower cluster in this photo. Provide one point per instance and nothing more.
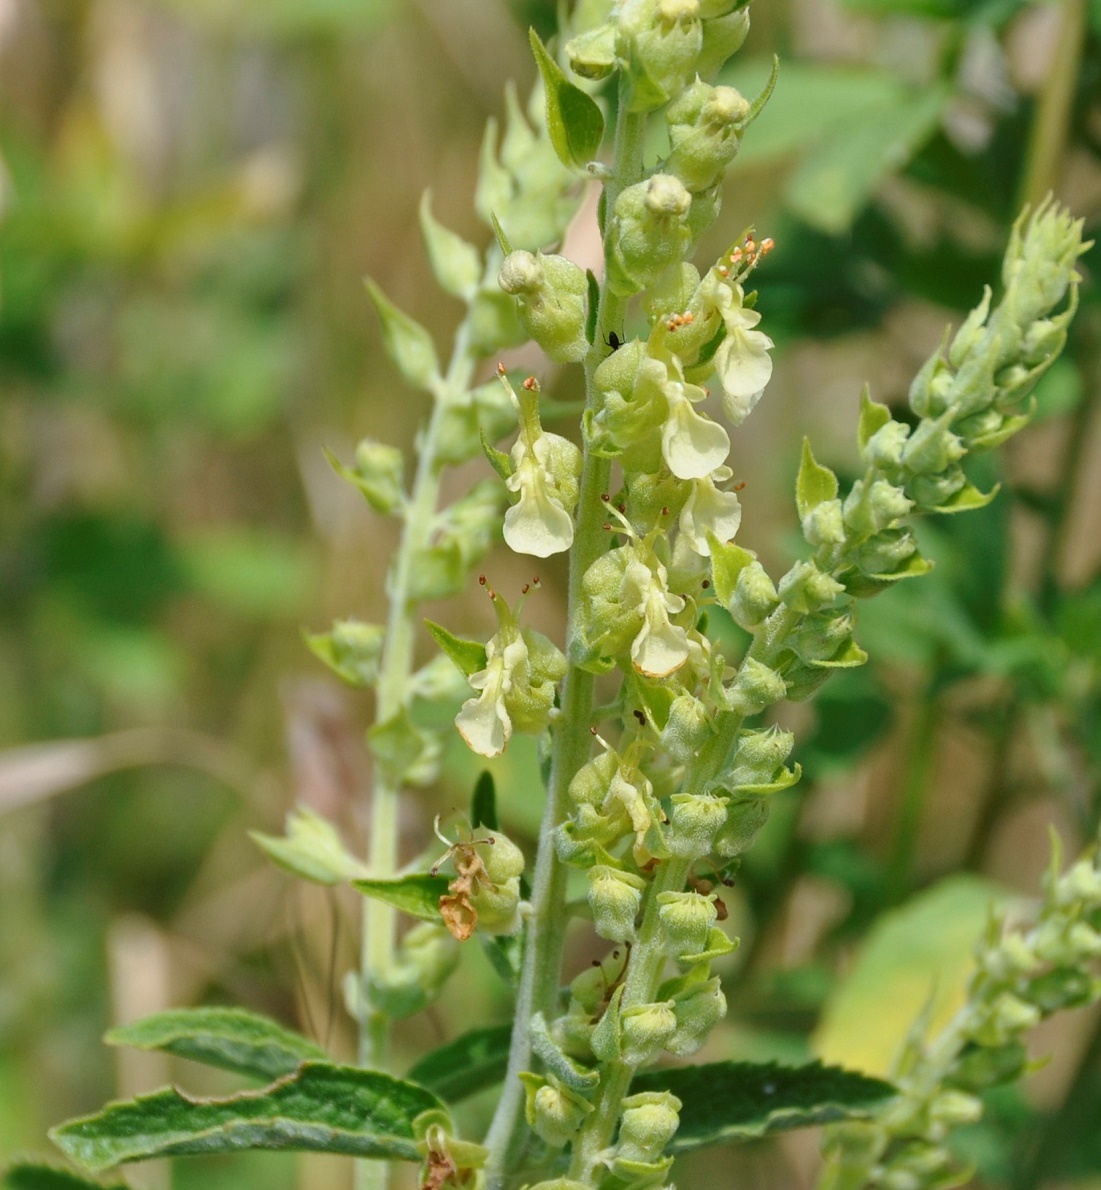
(1020, 978)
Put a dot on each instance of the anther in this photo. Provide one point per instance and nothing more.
(605, 497)
(500, 369)
(531, 384)
(482, 579)
(740, 486)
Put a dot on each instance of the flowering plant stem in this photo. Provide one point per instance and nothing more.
(379, 918)
(539, 979)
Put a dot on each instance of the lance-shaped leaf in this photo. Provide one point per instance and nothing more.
(311, 849)
(227, 1037)
(815, 483)
(456, 264)
(733, 1101)
(468, 1064)
(483, 803)
(35, 1175)
(574, 120)
(408, 344)
(321, 1108)
(418, 894)
(468, 655)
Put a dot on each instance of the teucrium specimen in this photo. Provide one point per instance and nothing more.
(665, 786)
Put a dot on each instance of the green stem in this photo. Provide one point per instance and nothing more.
(539, 977)
(380, 920)
(1050, 128)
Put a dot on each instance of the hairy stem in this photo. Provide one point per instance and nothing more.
(572, 742)
(379, 919)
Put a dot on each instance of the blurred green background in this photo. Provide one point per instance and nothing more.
(190, 194)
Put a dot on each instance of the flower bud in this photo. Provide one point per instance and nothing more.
(686, 920)
(955, 1107)
(660, 41)
(824, 525)
(884, 448)
(687, 728)
(871, 508)
(1081, 883)
(502, 858)
(934, 491)
(553, 1111)
(705, 129)
(378, 473)
(649, 232)
(592, 54)
(648, 1123)
(427, 956)
(755, 688)
(1007, 1016)
(932, 447)
(979, 1067)
(551, 293)
(645, 1030)
(698, 1011)
(745, 815)
(352, 650)
(723, 36)
(590, 783)
(615, 898)
(694, 819)
(497, 906)
(755, 597)
(759, 757)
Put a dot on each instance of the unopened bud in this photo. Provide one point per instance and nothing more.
(694, 819)
(645, 1030)
(698, 1012)
(615, 898)
(648, 1123)
(686, 920)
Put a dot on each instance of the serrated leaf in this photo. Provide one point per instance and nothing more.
(731, 1101)
(418, 894)
(36, 1175)
(226, 1037)
(456, 265)
(815, 484)
(873, 417)
(407, 343)
(468, 655)
(312, 849)
(727, 562)
(575, 122)
(321, 1108)
(468, 1064)
(483, 803)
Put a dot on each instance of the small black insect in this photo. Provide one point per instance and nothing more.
(614, 341)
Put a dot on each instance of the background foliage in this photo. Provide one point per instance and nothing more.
(190, 192)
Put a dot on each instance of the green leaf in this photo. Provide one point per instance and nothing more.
(227, 1037)
(499, 233)
(505, 953)
(321, 1108)
(727, 562)
(311, 849)
(418, 894)
(917, 956)
(967, 499)
(405, 753)
(732, 1101)
(815, 483)
(592, 306)
(468, 655)
(456, 265)
(574, 120)
(35, 1175)
(499, 460)
(758, 105)
(835, 180)
(873, 417)
(849, 657)
(483, 804)
(468, 1064)
(407, 343)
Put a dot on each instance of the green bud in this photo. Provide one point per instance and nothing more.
(1065, 987)
(979, 1067)
(760, 755)
(687, 728)
(1006, 1017)
(694, 819)
(745, 815)
(615, 898)
(686, 920)
(551, 293)
(932, 447)
(312, 849)
(823, 636)
(592, 54)
(755, 597)
(352, 650)
(426, 958)
(649, 232)
(755, 688)
(1081, 883)
(705, 129)
(933, 491)
(559, 1184)
(884, 553)
(378, 472)
(723, 37)
(971, 332)
(884, 448)
(807, 589)
(824, 525)
(502, 858)
(698, 1011)
(497, 906)
(872, 507)
(1011, 957)
(660, 41)
(648, 1123)
(553, 1111)
(644, 1030)
(955, 1107)
(590, 784)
